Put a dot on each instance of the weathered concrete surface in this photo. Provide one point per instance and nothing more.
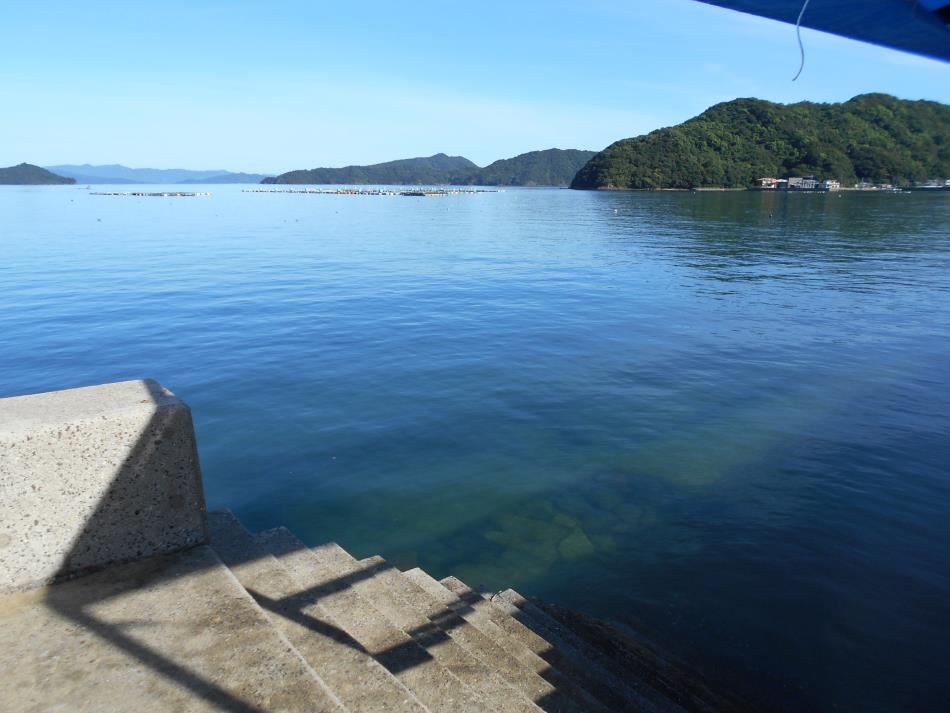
(95, 476)
(169, 633)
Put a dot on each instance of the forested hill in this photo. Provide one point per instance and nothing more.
(552, 167)
(408, 171)
(26, 174)
(873, 136)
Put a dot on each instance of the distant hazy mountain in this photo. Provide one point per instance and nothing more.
(26, 174)
(553, 167)
(231, 178)
(408, 171)
(116, 173)
(98, 180)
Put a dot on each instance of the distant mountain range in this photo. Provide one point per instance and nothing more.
(875, 137)
(26, 174)
(230, 178)
(553, 167)
(118, 174)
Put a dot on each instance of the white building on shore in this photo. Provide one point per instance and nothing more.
(802, 183)
(797, 183)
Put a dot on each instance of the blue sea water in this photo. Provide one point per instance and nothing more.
(722, 419)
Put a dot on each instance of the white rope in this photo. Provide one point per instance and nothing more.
(798, 35)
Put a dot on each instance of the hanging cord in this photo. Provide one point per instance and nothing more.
(798, 35)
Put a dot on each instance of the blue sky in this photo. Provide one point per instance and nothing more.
(270, 87)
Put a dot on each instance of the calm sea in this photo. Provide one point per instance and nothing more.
(723, 419)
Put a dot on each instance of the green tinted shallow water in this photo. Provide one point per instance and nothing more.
(720, 418)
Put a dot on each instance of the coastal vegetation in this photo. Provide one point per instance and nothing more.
(552, 167)
(26, 174)
(409, 171)
(873, 137)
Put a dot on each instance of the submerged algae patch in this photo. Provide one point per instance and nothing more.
(565, 520)
(576, 545)
(543, 540)
(734, 437)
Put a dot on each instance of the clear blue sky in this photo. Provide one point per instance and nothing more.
(269, 87)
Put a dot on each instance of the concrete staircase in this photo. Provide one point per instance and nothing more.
(253, 623)
(123, 594)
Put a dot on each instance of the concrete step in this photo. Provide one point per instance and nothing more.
(559, 694)
(659, 671)
(445, 635)
(438, 689)
(609, 676)
(169, 633)
(481, 616)
(608, 689)
(354, 676)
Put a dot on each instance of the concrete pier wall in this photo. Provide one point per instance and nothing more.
(95, 476)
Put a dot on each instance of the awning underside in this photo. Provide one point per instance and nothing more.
(919, 26)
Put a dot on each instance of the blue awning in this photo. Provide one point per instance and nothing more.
(919, 26)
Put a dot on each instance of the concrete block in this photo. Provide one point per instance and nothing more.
(95, 476)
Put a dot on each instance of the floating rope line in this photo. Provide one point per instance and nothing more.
(798, 35)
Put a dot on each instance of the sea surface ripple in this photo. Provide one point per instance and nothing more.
(721, 419)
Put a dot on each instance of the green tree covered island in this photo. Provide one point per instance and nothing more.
(875, 137)
(26, 174)
(553, 167)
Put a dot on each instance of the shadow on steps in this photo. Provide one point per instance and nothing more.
(117, 607)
